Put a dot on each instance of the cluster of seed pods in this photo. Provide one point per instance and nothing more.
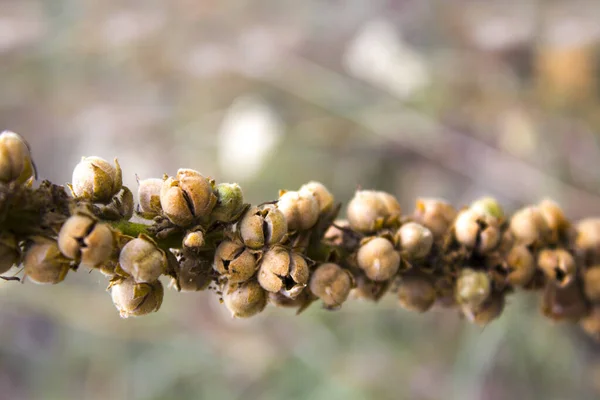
(197, 235)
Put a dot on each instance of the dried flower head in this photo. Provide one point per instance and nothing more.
(378, 258)
(262, 226)
(187, 198)
(83, 238)
(15, 159)
(136, 299)
(520, 265)
(95, 179)
(283, 270)
(480, 232)
(234, 261)
(558, 265)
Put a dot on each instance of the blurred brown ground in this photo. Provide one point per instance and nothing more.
(455, 99)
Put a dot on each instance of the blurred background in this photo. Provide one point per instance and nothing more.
(455, 99)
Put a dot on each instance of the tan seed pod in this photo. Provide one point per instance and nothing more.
(378, 258)
(230, 202)
(143, 260)
(472, 288)
(370, 210)
(15, 159)
(234, 261)
(95, 179)
(521, 266)
(561, 303)
(43, 262)
(193, 274)
(262, 226)
(366, 289)
(591, 323)
(245, 299)
(555, 219)
(332, 284)
(415, 241)
(321, 193)
(485, 313)
(588, 240)
(9, 252)
(301, 210)
(529, 226)
(435, 214)
(391, 206)
(136, 299)
(187, 197)
(83, 239)
(282, 270)
(416, 292)
(558, 265)
(477, 231)
(591, 283)
(149, 196)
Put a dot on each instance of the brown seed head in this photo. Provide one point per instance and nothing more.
(187, 197)
(370, 210)
(282, 270)
(558, 265)
(555, 218)
(378, 258)
(415, 241)
(301, 210)
(95, 179)
(15, 159)
(529, 226)
(149, 196)
(416, 292)
(245, 299)
(321, 193)
(234, 261)
(136, 299)
(43, 262)
(588, 239)
(262, 226)
(435, 214)
(332, 284)
(83, 239)
(143, 260)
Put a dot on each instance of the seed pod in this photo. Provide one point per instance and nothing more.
(230, 202)
(378, 258)
(282, 270)
(332, 284)
(477, 231)
(528, 226)
(143, 260)
(9, 252)
(301, 210)
(95, 179)
(194, 240)
(234, 261)
(370, 210)
(435, 214)
(416, 292)
(488, 311)
(83, 239)
(564, 302)
(415, 241)
(136, 299)
(588, 240)
(591, 284)
(187, 197)
(149, 197)
(245, 299)
(558, 265)
(472, 288)
(193, 274)
(262, 226)
(591, 323)
(521, 266)
(43, 262)
(488, 206)
(321, 193)
(555, 219)
(15, 159)
(366, 289)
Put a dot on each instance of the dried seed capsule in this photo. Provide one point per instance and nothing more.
(15, 159)
(282, 270)
(555, 218)
(528, 226)
(230, 202)
(321, 193)
(366, 289)
(558, 265)
(378, 258)
(370, 210)
(9, 252)
(245, 299)
(143, 260)
(564, 302)
(477, 231)
(95, 179)
(521, 266)
(472, 288)
(331, 283)
(136, 299)
(591, 284)
(83, 239)
(187, 197)
(149, 197)
(193, 274)
(591, 323)
(301, 210)
(416, 292)
(415, 240)
(194, 240)
(43, 262)
(487, 312)
(488, 206)
(435, 214)
(588, 240)
(262, 226)
(234, 261)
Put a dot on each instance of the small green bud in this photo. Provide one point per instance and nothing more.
(230, 202)
(378, 258)
(15, 159)
(472, 288)
(262, 226)
(415, 241)
(332, 284)
(301, 210)
(9, 252)
(43, 262)
(234, 261)
(143, 260)
(245, 299)
(187, 197)
(282, 270)
(83, 239)
(95, 179)
(149, 197)
(322, 194)
(136, 299)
